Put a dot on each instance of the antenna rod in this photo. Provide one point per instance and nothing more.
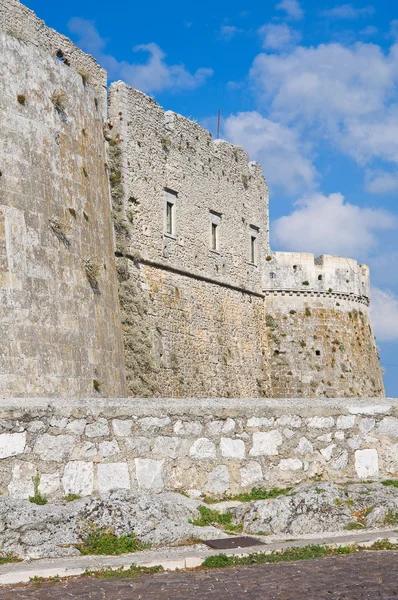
(218, 123)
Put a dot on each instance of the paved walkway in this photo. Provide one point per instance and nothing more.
(362, 576)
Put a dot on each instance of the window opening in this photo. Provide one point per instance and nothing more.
(169, 218)
(214, 236)
(170, 214)
(272, 275)
(253, 249)
(215, 221)
(294, 268)
(318, 352)
(319, 277)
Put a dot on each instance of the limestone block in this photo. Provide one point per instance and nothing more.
(108, 448)
(203, 448)
(259, 422)
(49, 484)
(250, 474)
(122, 428)
(389, 427)
(60, 422)
(327, 437)
(265, 443)
(193, 428)
(21, 485)
(99, 428)
(289, 421)
(320, 422)
(328, 451)
(345, 421)
(77, 426)
(392, 459)
(367, 463)
(354, 442)
(149, 473)
(218, 480)
(137, 445)
(167, 446)
(219, 427)
(112, 476)
(340, 462)
(290, 464)
(288, 433)
(54, 447)
(78, 478)
(88, 450)
(339, 435)
(304, 446)
(366, 425)
(369, 410)
(12, 444)
(154, 423)
(231, 448)
(36, 426)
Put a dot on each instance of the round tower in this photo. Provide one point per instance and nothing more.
(318, 326)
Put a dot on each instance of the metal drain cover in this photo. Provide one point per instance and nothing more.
(235, 542)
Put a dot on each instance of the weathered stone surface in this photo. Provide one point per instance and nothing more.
(340, 462)
(366, 463)
(78, 478)
(232, 448)
(218, 427)
(218, 480)
(203, 448)
(149, 474)
(108, 448)
(87, 450)
(77, 426)
(21, 485)
(328, 451)
(304, 446)
(167, 446)
(320, 422)
(366, 425)
(49, 484)
(266, 443)
(99, 428)
(60, 422)
(137, 445)
(251, 474)
(113, 476)
(154, 423)
(54, 447)
(289, 421)
(122, 428)
(290, 464)
(259, 422)
(12, 444)
(189, 428)
(388, 426)
(345, 422)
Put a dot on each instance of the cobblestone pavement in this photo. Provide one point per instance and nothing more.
(359, 576)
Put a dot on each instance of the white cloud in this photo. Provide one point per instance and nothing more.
(369, 30)
(347, 11)
(292, 8)
(276, 147)
(384, 312)
(227, 32)
(329, 225)
(278, 37)
(381, 182)
(152, 76)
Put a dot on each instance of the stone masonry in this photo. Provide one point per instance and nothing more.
(211, 447)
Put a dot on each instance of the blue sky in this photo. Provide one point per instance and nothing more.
(309, 88)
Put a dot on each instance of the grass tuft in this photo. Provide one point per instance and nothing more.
(72, 497)
(390, 482)
(9, 557)
(104, 541)
(207, 517)
(253, 495)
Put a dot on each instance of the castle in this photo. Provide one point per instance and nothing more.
(135, 256)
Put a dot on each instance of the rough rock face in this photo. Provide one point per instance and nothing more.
(310, 508)
(51, 530)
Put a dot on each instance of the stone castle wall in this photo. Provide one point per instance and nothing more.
(201, 313)
(59, 320)
(212, 447)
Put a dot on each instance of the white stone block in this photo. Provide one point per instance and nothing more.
(366, 425)
(345, 421)
(290, 464)
(250, 474)
(203, 448)
(367, 463)
(231, 448)
(260, 422)
(327, 437)
(154, 423)
(218, 480)
(88, 450)
(12, 444)
(54, 447)
(77, 426)
(371, 409)
(78, 478)
(60, 422)
(21, 485)
(320, 422)
(265, 443)
(193, 428)
(137, 445)
(340, 462)
(388, 427)
(218, 427)
(113, 476)
(339, 435)
(354, 442)
(328, 451)
(108, 448)
(99, 428)
(289, 421)
(49, 484)
(122, 428)
(149, 473)
(167, 446)
(304, 446)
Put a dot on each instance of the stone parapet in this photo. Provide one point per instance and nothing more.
(205, 446)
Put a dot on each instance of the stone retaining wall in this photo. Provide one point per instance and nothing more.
(206, 446)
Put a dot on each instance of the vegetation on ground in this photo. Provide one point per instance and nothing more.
(207, 517)
(37, 497)
(104, 541)
(71, 497)
(390, 482)
(254, 494)
(9, 557)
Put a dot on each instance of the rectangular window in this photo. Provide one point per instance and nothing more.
(170, 200)
(215, 221)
